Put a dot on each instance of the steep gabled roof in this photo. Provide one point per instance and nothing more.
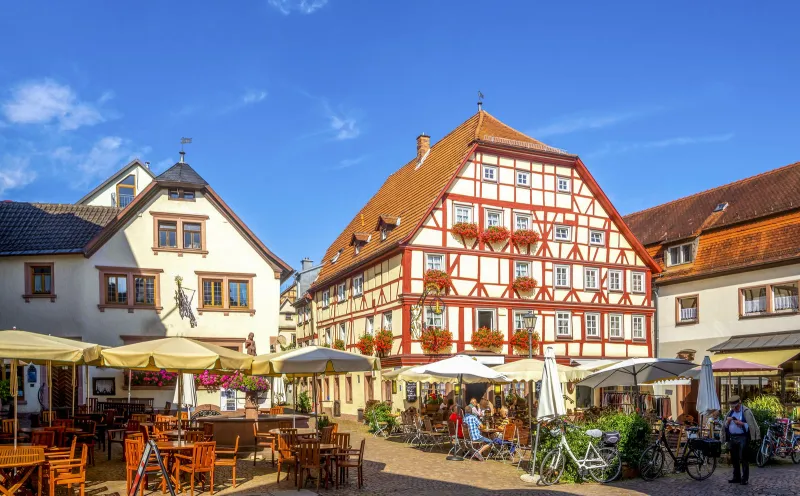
(116, 177)
(182, 173)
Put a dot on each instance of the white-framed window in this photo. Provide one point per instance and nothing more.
(326, 298)
(563, 324)
(592, 321)
(358, 285)
(342, 332)
(387, 321)
(563, 184)
(784, 297)
(523, 178)
(519, 320)
(681, 254)
(522, 222)
(754, 300)
(591, 278)
(384, 233)
(494, 218)
(687, 308)
(490, 173)
(637, 282)
(637, 327)
(597, 237)
(328, 336)
(341, 292)
(561, 276)
(615, 326)
(434, 261)
(463, 213)
(615, 280)
(562, 233)
(433, 319)
(522, 269)
(484, 317)
(369, 327)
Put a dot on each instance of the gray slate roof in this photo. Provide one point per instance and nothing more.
(772, 340)
(182, 172)
(49, 228)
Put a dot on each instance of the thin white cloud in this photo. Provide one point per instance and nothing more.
(253, 97)
(344, 128)
(348, 162)
(286, 7)
(15, 173)
(618, 148)
(582, 122)
(105, 156)
(46, 101)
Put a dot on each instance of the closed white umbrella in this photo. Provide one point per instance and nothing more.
(189, 397)
(551, 400)
(707, 400)
(636, 371)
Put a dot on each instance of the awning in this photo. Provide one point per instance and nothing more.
(753, 342)
(773, 358)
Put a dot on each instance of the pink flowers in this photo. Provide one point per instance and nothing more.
(160, 378)
(237, 381)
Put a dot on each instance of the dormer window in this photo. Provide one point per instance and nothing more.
(359, 239)
(336, 257)
(678, 255)
(721, 207)
(126, 190)
(386, 223)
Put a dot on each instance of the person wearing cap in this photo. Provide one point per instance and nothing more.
(740, 428)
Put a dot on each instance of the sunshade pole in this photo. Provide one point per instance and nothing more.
(180, 406)
(14, 387)
(314, 392)
(130, 376)
(86, 384)
(50, 391)
(72, 396)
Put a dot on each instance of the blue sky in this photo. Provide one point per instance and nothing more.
(299, 109)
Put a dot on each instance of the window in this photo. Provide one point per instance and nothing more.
(523, 222)
(192, 233)
(387, 321)
(523, 178)
(590, 278)
(348, 389)
(784, 297)
(145, 290)
(687, 309)
(433, 319)
(563, 324)
(597, 237)
(637, 327)
(167, 234)
(335, 389)
(519, 320)
(563, 233)
(342, 332)
(181, 194)
(463, 214)
(238, 292)
(563, 184)
(615, 280)
(489, 173)
(358, 285)
(384, 233)
(115, 285)
(326, 298)
(615, 326)
(369, 327)
(485, 318)
(592, 325)
(522, 269)
(434, 262)
(336, 256)
(212, 293)
(494, 218)
(561, 276)
(117, 289)
(126, 190)
(327, 337)
(225, 292)
(341, 292)
(288, 317)
(754, 300)
(637, 282)
(681, 254)
(41, 282)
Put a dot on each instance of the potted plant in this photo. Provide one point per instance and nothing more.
(435, 340)
(465, 230)
(495, 234)
(523, 237)
(436, 280)
(6, 397)
(383, 342)
(524, 284)
(366, 345)
(338, 344)
(487, 339)
(250, 385)
(519, 342)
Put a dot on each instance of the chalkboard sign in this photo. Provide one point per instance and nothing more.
(498, 401)
(411, 392)
(150, 448)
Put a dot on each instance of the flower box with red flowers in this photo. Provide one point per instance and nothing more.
(436, 280)
(466, 230)
(487, 339)
(495, 234)
(435, 340)
(519, 342)
(524, 284)
(383, 342)
(338, 344)
(366, 345)
(523, 237)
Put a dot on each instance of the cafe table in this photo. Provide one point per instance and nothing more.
(301, 431)
(168, 450)
(17, 465)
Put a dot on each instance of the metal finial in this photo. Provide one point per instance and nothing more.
(480, 101)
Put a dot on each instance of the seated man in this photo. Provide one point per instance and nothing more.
(474, 426)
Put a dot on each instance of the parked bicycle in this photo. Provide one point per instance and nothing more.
(601, 460)
(778, 442)
(698, 459)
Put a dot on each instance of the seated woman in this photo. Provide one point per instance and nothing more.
(455, 417)
(487, 407)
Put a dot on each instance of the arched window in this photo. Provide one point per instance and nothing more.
(126, 190)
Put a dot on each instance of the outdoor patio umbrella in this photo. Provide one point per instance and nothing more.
(189, 396)
(707, 400)
(532, 369)
(636, 371)
(729, 367)
(464, 368)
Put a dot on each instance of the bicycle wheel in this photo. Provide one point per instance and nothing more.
(552, 467)
(651, 463)
(763, 455)
(796, 451)
(613, 465)
(698, 466)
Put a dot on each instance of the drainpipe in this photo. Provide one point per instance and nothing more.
(655, 323)
(313, 322)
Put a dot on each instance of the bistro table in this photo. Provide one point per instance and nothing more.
(17, 465)
(301, 431)
(169, 449)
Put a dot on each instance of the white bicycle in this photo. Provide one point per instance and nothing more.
(602, 463)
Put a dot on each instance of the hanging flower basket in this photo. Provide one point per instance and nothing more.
(523, 237)
(152, 380)
(495, 234)
(519, 342)
(487, 339)
(436, 280)
(435, 340)
(366, 345)
(338, 344)
(466, 230)
(524, 284)
(383, 342)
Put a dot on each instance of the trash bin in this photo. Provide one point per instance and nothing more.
(337, 408)
(360, 414)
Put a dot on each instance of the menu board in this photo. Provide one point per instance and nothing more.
(411, 392)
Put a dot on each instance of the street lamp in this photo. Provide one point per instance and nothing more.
(530, 324)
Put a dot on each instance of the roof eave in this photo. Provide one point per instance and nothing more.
(316, 285)
(111, 178)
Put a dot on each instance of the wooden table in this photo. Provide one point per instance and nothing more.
(67, 430)
(303, 431)
(325, 452)
(169, 449)
(23, 461)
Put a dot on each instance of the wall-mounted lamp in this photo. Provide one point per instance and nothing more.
(498, 389)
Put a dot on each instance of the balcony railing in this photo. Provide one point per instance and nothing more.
(124, 200)
(688, 314)
(785, 303)
(758, 305)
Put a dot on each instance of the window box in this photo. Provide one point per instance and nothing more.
(436, 280)
(519, 342)
(179, 233)
(225, 292)
(465, 230)
(366, 345)
(523, 237)
(435, 340)
(524, 284)
(485, 338)
(495, 234)
(39, 281)
(383, 342)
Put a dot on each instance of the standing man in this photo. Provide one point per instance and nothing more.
(740, 428)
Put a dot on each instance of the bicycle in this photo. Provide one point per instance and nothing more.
(603, 464)
(698, 460)
(775, 442)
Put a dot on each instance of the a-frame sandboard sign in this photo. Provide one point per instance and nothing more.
(149, 449)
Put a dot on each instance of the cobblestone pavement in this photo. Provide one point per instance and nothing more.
(393, 468)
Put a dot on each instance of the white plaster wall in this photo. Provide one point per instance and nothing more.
(103, 197)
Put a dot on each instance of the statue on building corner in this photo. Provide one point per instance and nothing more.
(250, 345)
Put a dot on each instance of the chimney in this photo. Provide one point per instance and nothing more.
(423, 146)
(306, 263)
(183, 154)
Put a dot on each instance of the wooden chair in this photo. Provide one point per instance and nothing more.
(105, 424)
(342, 442)
(88, 436)
(284, 424)
(43, 438)
(65, 423)
(308, 459)
(262, 440)
(46, 416)
(133, 454)
(351, 459)
(201, 462)
(275, 410)
(61, 453)
(228, 462)
(286, 457)
(58, 433)
(290, 435)
(158, 430)
(194, 436)
(83, 409)
(69, 473)
(208, 430)
(140, 417)
(8, 426)
(325, 434)
(132, 426)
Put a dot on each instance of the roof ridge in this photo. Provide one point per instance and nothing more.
(71, 205)
(699, 193)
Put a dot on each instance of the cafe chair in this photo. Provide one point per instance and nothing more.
(140, 417)
(133, 454)
(88, 436)
(290, 435)
(308, 459)
(230, 459)
(65, 423)
(208, 431)
(286, 457)
(194, 436)
(43, 438)
(58, 433)
(68, 472)
(348, 459)
(275, 410)
(200, 463)
(325, 434)
(46, 416)
(262, 440)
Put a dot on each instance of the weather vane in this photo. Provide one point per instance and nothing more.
(186, 141)
(480, 100)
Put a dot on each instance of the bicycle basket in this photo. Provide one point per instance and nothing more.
(610, 438)
(709, 447)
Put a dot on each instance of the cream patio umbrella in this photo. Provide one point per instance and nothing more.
(44, 349)
(531, 369)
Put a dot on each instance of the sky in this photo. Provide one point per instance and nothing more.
(300, 109)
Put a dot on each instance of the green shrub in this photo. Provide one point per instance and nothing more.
(303, 402)
(379, 412)
(5, 391)
(766, 402)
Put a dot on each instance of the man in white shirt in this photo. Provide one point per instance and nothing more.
(740, 428)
